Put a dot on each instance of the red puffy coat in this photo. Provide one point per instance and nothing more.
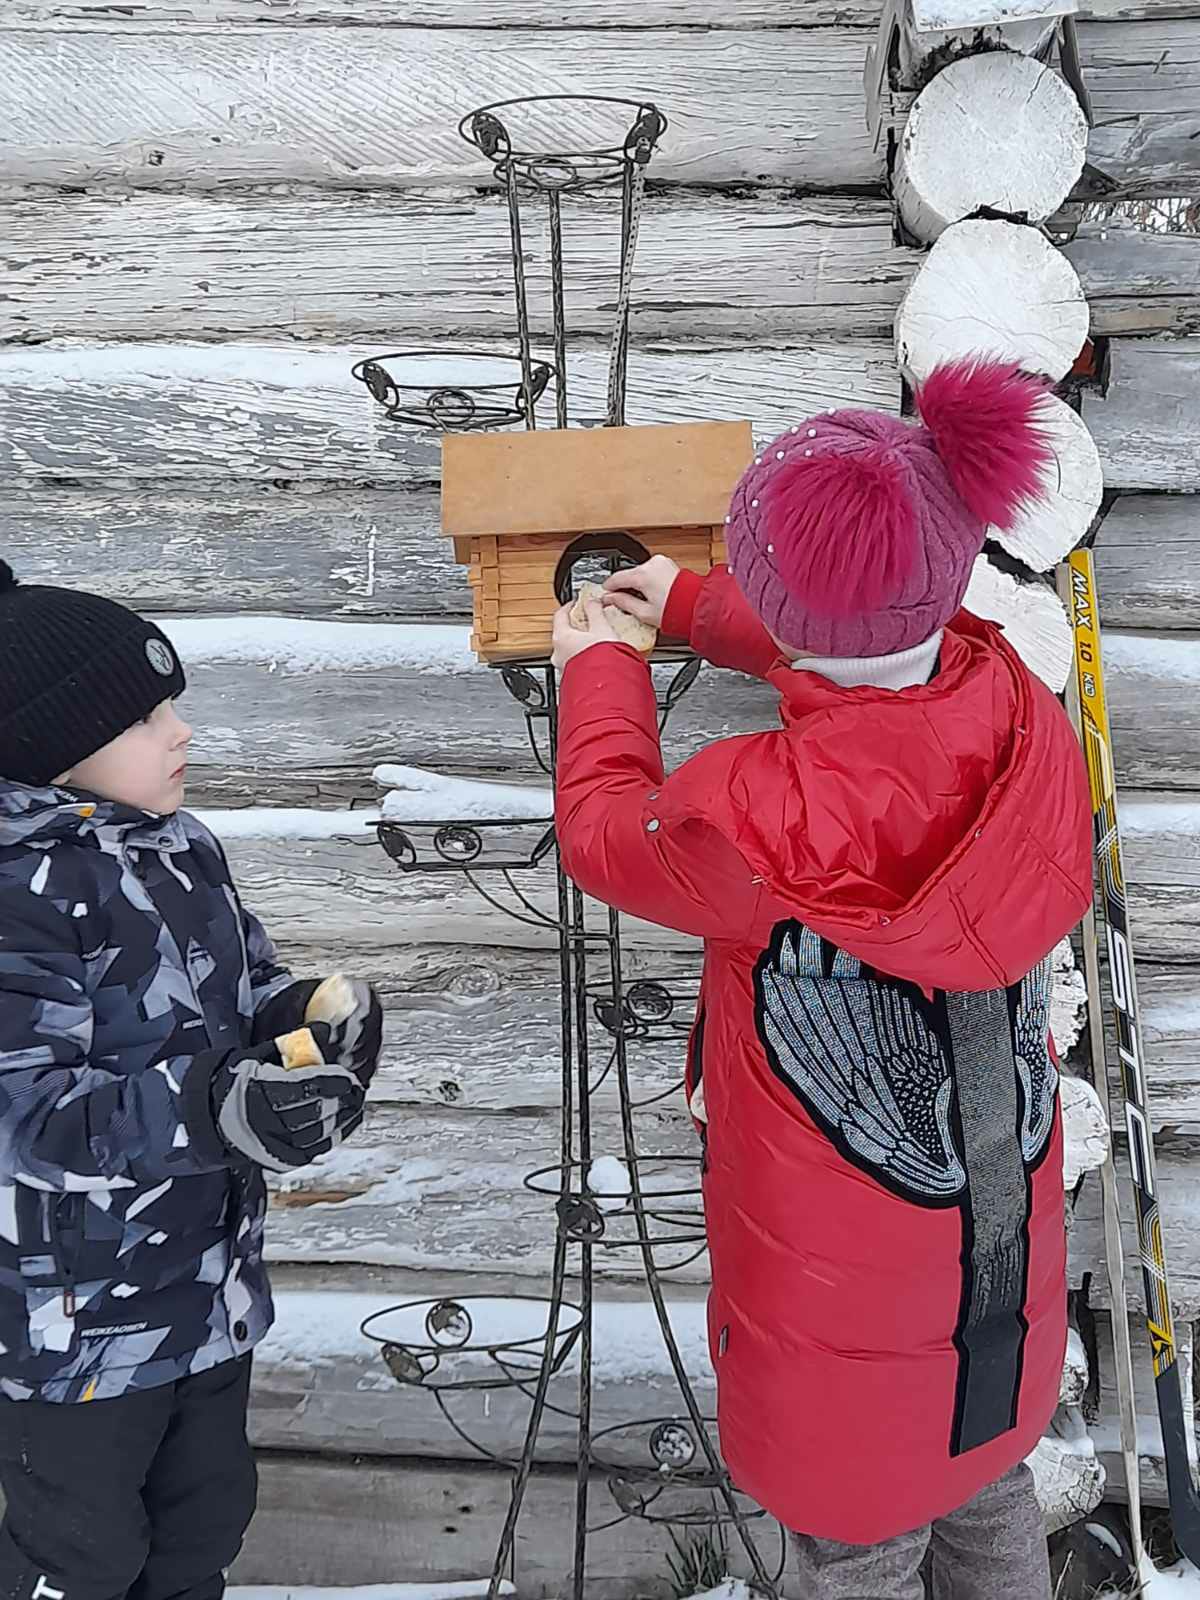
(877, 884)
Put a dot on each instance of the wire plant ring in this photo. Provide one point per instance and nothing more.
(427, 1346)
(548, 170)
(443, 402)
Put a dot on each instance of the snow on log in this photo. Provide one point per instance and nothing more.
(1032, 617)
(1086, 1136)
(993, 289)
(1067, 1475)
(929, 14)
(999, 132)
(1073, 481)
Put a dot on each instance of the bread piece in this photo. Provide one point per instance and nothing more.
(628, 629)
(332, 1001)
(299, 1049)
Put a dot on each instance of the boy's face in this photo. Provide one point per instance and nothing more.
(143, 768)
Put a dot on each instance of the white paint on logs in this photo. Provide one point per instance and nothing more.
(1032, 617)
(993, 289)
(1086, 1136)
(996, 131)
(1046, 530)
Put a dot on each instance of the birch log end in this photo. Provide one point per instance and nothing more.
(992, 289)
(999, 132)
(1032, 617)
(1073, 483)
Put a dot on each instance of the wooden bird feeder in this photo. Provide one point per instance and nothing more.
(525, 509)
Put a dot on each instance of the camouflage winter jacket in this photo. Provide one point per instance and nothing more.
(127, 1258)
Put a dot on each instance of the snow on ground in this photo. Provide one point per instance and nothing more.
(417, 795)
(290, 644)
(373, 1591)
(731, 1589)
(1181, 1582)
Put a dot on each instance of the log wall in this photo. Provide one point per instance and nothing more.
(210, 208)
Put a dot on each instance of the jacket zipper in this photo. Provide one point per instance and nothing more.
(63, 1258)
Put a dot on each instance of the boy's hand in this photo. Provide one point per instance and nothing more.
(642, 591)
(355, 1017)
(281, 1117)
(570, 641)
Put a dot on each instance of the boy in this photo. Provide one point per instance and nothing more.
(142, 1092)
(878, 885)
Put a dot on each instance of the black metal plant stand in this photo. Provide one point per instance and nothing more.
(665, 1470)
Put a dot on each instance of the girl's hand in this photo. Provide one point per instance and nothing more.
(570, 641)
(642, 591)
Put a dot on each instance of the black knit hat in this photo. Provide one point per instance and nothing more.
(76, 671)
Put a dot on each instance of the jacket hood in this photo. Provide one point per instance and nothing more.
(32, 816)
(942, 834)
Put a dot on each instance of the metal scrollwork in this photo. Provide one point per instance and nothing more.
(664, 1470)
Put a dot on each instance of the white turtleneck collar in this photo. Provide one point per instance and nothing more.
(903, 670)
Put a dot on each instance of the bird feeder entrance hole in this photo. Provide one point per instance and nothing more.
(592, 558)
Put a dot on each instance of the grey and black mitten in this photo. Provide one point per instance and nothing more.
(354, 1016)
(283, 1103)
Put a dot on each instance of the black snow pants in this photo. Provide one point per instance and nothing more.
(146, 1496)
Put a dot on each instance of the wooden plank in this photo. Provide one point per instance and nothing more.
(201, 547)
(436, 1190)
(1154, 732)
(263, 411)
(1148, 562)
(267, 412)
(616, 14)
(1136, 281)
(1146, 101)
(308, 265)
(406, 265)
(1144, 421)
(296, 735)
(343, 552)
(380, 108)
(212, 105)
(321, 1386)
(1170, 1000)
(1179, 1193)
(342, 1523)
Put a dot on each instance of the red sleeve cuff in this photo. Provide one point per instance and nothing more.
(681, 605)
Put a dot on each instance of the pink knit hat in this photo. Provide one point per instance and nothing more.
(854, 533)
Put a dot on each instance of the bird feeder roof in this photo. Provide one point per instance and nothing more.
(583, 480)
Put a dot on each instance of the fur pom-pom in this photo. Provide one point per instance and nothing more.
(844, 529)
(984, 417)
